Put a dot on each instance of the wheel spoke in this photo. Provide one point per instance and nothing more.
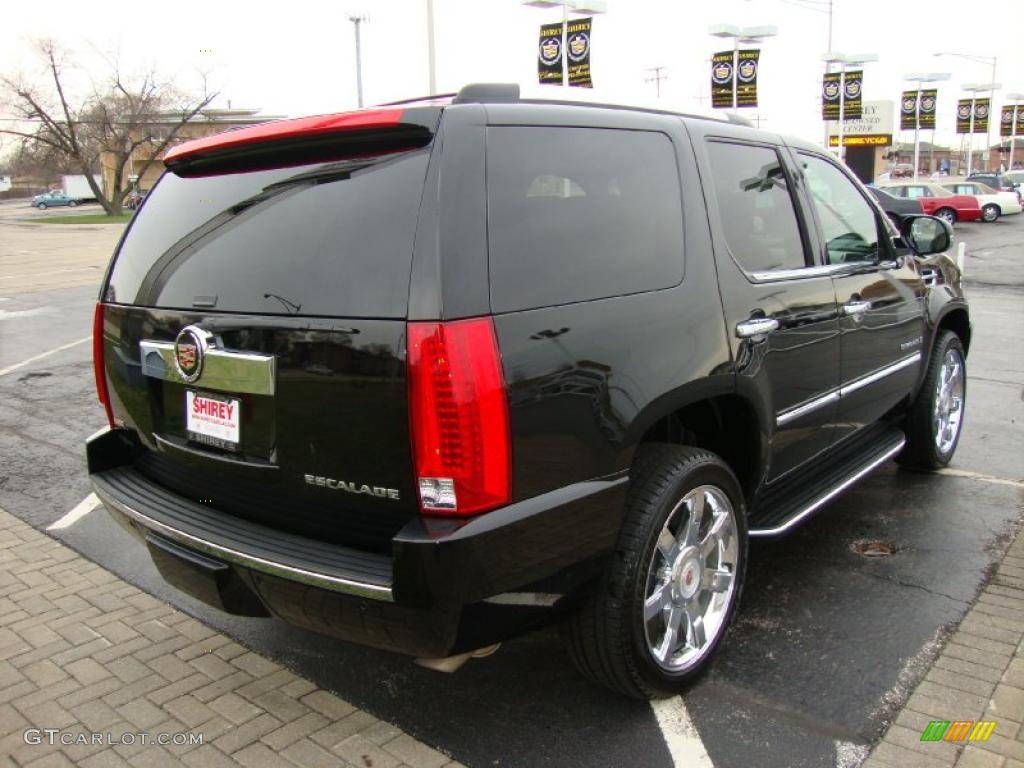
(717, 581)
(656, 603)
(697, 507)
(719, 534)
(667, 545)
(695, 637)
(671, 638)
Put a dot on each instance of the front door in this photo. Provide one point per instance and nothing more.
(881, 299)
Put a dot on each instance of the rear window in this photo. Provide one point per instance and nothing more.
(328, 239)
(576, 214)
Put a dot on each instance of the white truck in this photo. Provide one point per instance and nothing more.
(77, 187)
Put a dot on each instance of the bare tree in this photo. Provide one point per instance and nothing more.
(105, 127)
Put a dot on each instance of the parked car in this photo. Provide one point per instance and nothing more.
(936, 200)
(895, 207)
(1015, 177)
(53, 199)
(902, 171)
(998, 181)
(564, 369)
(993, 204)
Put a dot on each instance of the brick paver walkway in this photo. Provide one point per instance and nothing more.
(978, 676)
(86, 653)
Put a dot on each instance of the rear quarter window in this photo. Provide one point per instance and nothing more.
(329, 239)
(576, 214)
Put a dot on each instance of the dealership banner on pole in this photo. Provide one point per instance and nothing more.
(963, 116)
(981, 110)
(854, 87)
(746, 78)
(577, 45)
(908, 111)
(926, 109)
(831, 83)
(721, 79)
(549, 55)
(1006, 121)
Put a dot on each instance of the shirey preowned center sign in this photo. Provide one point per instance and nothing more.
(873, 129)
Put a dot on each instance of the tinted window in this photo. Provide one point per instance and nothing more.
(847, 220)
(755, 207)
(577, 213)
(325, 239)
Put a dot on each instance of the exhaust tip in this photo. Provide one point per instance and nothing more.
(451, 664)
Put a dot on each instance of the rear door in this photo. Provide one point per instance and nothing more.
(881, 299)
(780, 307)
(255, 337)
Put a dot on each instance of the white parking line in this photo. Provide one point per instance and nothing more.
(83, 508)
(23, 363)
(981, 477)
(681, 737)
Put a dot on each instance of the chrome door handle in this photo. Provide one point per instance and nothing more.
(856, 307)
(748, 329)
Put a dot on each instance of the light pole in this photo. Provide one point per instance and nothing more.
(745, 35)
(576, 6)
(844, 61)
(974, 89)
(1015, 99)
(431, 61)
(357, 21)
(920, 78)
(993, 61)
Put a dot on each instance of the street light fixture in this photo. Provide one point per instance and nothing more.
(844, 61)
(1016, 99)
(576, 6)
(745, 35)
(920, 78)
(975, 89)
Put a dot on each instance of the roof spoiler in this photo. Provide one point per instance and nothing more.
(304, 140)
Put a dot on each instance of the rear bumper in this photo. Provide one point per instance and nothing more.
(447, 585)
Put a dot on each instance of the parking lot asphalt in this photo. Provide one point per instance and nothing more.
(827, 643)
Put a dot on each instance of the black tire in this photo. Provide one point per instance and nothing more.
(41, 206)
(72, 203)
(948, 214)
(922, 450)
(990, 213)
(607, 636)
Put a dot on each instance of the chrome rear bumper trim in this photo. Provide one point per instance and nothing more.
(312, 578)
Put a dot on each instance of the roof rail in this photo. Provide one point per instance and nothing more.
(426, 100)
(487, 92)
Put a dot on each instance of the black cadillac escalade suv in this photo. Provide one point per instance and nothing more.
(426, 376)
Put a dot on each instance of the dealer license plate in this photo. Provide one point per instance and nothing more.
(213, 420)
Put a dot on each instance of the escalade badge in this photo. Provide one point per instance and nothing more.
(350, 487)
(188, 354)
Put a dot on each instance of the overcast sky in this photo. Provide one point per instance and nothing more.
(297, 58)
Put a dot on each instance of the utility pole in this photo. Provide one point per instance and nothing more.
(656, 78)
(357, 21)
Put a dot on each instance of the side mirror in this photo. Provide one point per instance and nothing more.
(926, 235)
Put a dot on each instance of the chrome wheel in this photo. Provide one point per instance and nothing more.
(947, 215)
(989, 213)
(691, 579)
(949, 401)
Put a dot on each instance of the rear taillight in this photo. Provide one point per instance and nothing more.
(97, 362)
(458, 417)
